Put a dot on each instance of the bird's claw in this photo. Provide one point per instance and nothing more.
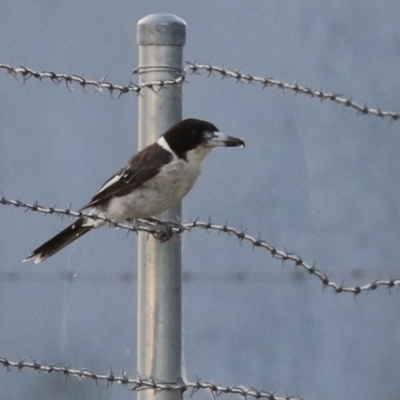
(165, 231)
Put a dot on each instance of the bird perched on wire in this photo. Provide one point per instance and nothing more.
(153, 180)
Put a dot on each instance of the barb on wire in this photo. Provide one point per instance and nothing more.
(142, 383)
(28, 73)
(319, 94)
(241, 235)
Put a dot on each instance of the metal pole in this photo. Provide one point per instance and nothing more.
(161, 38)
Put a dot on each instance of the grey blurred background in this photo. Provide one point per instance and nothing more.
(315, 179)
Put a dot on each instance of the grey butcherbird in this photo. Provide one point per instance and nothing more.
(154, 179)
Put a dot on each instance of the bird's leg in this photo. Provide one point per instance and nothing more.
(163, 232)
(165, 229)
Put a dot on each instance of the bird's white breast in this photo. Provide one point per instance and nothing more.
(161, 192)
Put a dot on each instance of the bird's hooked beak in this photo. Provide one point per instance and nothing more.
(219, 139)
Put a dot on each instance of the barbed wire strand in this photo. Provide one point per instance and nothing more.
(241, 235)
(196, 68)
(57, 78)
(142, 383)
(265, 82)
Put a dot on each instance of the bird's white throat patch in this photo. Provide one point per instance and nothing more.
(196, 156)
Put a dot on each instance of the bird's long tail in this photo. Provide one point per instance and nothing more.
(58, 242)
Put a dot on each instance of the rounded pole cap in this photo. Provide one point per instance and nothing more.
(161, 29)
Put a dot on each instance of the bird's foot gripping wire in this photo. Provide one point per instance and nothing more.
(164, 229)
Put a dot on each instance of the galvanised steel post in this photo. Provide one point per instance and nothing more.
(161, 38)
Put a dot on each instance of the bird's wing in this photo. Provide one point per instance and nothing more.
(140, 168)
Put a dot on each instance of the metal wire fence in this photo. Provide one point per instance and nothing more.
(160, 230)
(138, 384)
(196, 68)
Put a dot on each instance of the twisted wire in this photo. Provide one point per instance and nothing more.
(241, 235)
(139, 225)
(57, 78)
(142, 383)
(265, 82)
